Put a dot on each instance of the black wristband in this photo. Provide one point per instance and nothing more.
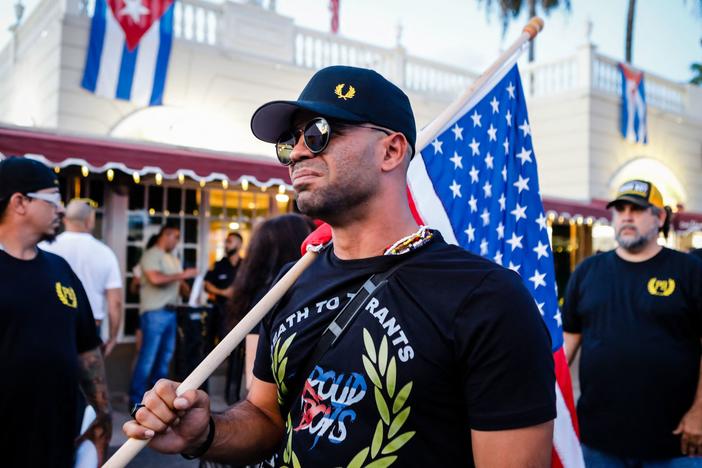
(200, 451)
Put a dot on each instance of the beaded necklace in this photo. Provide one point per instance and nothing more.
(411, 242)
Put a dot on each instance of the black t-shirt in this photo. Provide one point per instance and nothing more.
(452, 343)
(45, 322)
(222, 276)
(641, 328)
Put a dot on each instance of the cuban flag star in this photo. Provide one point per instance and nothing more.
(129, 47)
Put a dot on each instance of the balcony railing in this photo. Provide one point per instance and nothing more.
(201, 22)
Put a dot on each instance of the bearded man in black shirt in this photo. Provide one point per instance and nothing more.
(636, 312)
(48, 343)
(447, 364)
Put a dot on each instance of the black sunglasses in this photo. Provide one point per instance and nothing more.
(316, 134)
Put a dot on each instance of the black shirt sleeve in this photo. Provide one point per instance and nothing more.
(505, 360)
(571, 319)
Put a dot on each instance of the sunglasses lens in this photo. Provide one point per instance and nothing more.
(317, 134)
(284, 148)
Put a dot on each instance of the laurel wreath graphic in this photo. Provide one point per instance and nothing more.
(67, 296)
(289, 457)
(280, 361)
(386, 439)
(348, 95)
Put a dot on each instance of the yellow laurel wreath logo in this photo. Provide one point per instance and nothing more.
(289, 457)
(67, 296)
(280, 362)
(386, 439)
(339, 91)
(658, 287)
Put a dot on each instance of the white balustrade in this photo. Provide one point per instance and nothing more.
(425, 76)
(549, 78)
(200, 21)
(193, 20)
(314, 49)
(660, 92)
(196, 21)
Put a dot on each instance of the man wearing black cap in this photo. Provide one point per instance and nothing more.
(448, 363)
(637, 311)
(48, 341)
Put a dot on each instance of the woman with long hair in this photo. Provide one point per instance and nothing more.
(275, 242)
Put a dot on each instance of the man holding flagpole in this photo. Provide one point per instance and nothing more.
(437, 357)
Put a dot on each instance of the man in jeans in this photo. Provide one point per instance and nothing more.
(161, 279)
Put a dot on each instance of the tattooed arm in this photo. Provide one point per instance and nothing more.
(92, 381)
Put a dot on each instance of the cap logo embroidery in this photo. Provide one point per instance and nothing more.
(339, 91)
(67, 296)
(658, 287)
(637, 188)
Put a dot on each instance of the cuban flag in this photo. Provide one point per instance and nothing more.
(477, 183)
(633, 119)
(129, 48)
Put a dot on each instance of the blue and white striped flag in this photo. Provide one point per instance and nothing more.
(129, 48)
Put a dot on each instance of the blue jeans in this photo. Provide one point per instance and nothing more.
(597, 459)
(158, 328)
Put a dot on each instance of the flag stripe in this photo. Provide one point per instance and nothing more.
(164, 53)
(126, 72)
(427, 202)
(563, 380)
(143, 83)
(111, 57)
(565, 439)
(95, 45)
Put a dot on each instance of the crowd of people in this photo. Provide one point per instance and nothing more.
(393, 347)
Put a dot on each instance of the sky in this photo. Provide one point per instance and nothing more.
(667, 33)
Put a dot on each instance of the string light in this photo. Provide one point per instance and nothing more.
(244, 185)
(110, 175)
(84, 170)
(136, 177)
(181, 178)
(159, 178)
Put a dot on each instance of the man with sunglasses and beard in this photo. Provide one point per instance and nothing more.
(445, 363)
(636, 312)
(49, 348)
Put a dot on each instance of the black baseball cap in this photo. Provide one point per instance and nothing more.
(24, 175)
(350, 94)
(639, 192)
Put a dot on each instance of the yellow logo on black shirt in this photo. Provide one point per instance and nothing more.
(658, 287)
(339, 91)
(67, 296)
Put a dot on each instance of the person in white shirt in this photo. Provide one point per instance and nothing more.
(94, 263)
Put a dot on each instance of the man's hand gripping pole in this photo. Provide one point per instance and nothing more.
(311, 247)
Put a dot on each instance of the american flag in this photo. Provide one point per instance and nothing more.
(477, 182)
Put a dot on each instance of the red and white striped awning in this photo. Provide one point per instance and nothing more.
(139, 159)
